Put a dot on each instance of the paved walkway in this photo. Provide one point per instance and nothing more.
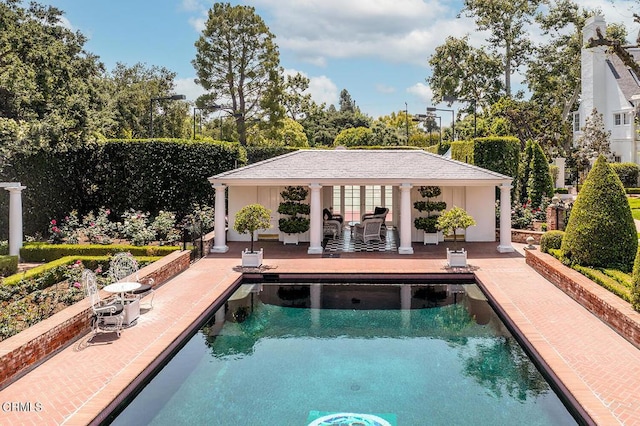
(600, 368)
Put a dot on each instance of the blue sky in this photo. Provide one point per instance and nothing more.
(376, 49)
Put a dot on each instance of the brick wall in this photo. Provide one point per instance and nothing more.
(521, 235)
(612, 310)
(20, 353)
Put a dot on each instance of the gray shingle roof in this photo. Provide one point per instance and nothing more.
(341, 166)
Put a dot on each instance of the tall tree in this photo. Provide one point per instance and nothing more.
(593, 142)
(295, 99)
(553, 76)
(132, 89)
(465, 72)
(347, 104)
(237, 62)
(506, 21)
(47, 79)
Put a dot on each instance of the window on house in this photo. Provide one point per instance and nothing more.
(617, 119)
(626, 119)
(617, 158)
(576, 121)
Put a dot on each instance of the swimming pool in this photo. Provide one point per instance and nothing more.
(298, 354)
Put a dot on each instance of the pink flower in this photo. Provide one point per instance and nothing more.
(77, 284)
(98, 270)
(53, 221)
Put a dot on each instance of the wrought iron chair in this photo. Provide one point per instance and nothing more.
(124, 265)
(108, 316)
(368, 230)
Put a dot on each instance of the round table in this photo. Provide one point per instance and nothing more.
(131, 306)
(122, 288)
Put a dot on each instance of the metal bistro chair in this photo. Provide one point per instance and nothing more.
(123, 265)
(108, 316)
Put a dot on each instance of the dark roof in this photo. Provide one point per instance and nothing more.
(629, 83)
(342, 166)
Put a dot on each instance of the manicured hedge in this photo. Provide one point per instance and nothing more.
(463, 151)
(146, 175)
(560, 190)
(42, 252)
(628, 173)
(551, 240)
(8, 265)
(259, 153)
(499, 154)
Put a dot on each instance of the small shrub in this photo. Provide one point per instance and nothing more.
(635, 288)
(551, 240)
(560, 190)
(8, 265)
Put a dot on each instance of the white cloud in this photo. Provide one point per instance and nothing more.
(187, 87)
(323, 90)
(421, 91)
(383, 88)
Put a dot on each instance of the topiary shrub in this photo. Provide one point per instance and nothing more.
(635, 288)
(601, 231)
(8, 265)
(539, 184)
(551, 240)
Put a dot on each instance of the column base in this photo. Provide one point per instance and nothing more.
(405, 250)
(506, 249)
(219, 249)
(315, 250)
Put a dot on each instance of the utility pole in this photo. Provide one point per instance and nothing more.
(406, 119)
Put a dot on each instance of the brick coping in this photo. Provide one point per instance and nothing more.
(611, 309)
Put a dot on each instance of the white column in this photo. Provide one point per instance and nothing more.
(505, 219)
(560, 163)
(15, 218)
(220, 232)
(315, 232)
(405, 219)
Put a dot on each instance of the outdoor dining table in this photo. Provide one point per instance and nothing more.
(131, 305)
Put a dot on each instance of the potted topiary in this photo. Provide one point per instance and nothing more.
(248, 220)
(292, 206)
(429, 224)
(456, 218)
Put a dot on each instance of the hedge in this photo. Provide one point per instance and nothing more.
(462, 151)
(498, 154)
(628, 173)
(146, 175)
(8, 265)
(43, 252)
(551, 240)
(633, 191)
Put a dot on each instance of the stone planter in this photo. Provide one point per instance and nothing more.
(432, 237)
(252, 259)
(457, 258)
(290, 238)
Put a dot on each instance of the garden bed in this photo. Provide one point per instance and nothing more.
(26, 349)
(611, 309)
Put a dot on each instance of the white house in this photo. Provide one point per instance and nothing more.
(354, 182)
(613, 90)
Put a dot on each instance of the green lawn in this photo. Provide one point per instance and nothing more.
(634, 203)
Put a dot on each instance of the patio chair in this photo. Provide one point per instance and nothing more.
(124, 265)
(108, 316)
(332, 224)
(368, 230)
(378, 212)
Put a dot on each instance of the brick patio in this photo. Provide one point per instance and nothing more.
(598, 367)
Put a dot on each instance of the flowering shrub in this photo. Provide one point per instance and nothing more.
(522, 216)
(164, 226)
(97, 228)
(56, 234)
(135, 227)
(202, 216)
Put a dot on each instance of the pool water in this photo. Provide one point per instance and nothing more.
(448, 360)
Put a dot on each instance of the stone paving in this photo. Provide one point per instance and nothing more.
(598, 367)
